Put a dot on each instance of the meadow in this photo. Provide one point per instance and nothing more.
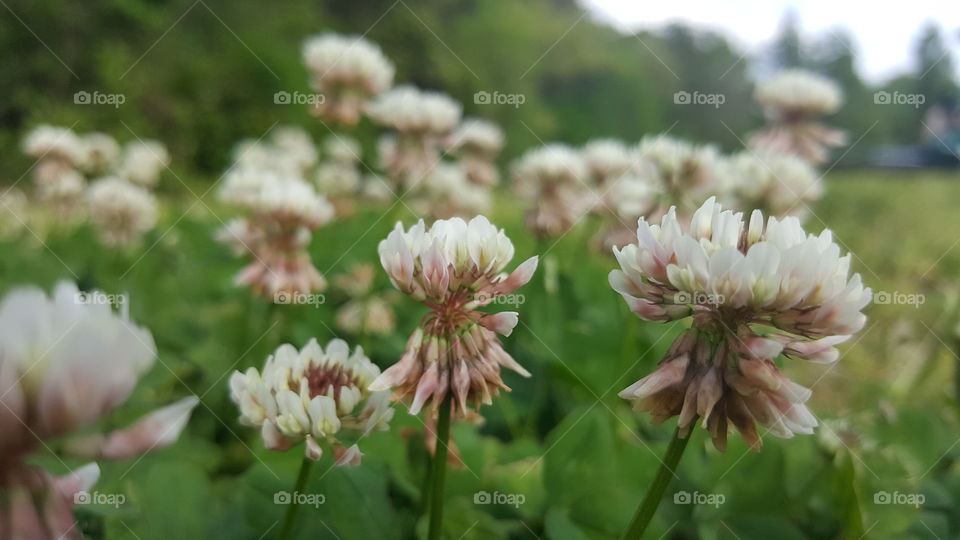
(561, 456)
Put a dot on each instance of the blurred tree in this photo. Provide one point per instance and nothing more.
(788, 50)
(934, 67)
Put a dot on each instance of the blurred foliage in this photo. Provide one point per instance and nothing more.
(562, 439)
(200, 75)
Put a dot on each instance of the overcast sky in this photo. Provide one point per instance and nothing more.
(885, 33)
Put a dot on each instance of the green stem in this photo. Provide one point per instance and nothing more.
(651, 500)
(439, 472)
(291, 517)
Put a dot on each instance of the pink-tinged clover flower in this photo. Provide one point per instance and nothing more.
(755, 291)
(67, 361)
(454, 267)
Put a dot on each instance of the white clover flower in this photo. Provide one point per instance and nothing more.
(633, 196)
(342, 149)
(272, 195)
(410, 110)
(284, 210)
(346, 70)
(476, 143)
(551, 180)
(686, 173)
(120, 211)
(793, 101)
(289, 151)
(295, 145)
(62, 190)
(454, 267)
(755, 291)
(142, 162)
(65, 362)
(448, 193)
(376, 188)
(608, 159)
(336, 178)
(476, 136)
(799, 91)
(101, 152)
(313, 395)
(58, 143)
(778, 184)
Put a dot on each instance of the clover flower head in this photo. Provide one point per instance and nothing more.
(142, 162)
(121, 212)
(409, 110)
(448, 193)
(346, 71)
(313, 395)
(101, 152)
(551, 181)
(56, 143)
(68, 360)
(454, 267)
(755, 291)
(608, 159)
(342, 148)
(349, 61)
(778, 184)
(799, 92)
(476, 136)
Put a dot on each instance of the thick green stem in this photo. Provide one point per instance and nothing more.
(651, 500)
(439, 473)
(291, 516)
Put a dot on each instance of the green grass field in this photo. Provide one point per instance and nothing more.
(569, 457)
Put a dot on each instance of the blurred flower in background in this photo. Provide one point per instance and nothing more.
(476, 143)
(120, 211)
(778, 184)
(365, 312)
(793, 101)
(421, 120)
(346, 71)
(283, 211)
(551, 181)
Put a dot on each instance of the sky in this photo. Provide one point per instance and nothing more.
(884, 34)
